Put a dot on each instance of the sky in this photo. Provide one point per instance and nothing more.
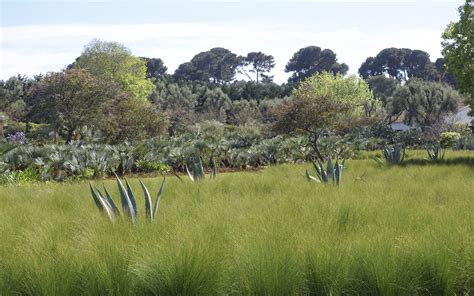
(42, 36)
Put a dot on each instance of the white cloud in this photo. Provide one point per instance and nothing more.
(34, 49)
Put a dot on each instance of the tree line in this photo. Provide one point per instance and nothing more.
(109, 94)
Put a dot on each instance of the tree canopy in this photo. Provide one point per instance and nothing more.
(155, 68)
(71, 99)
(324, 102)
(399, 63)
(425, 103)
(260, 65)
(13, 96)
(76, 99)
(217, 66)
(114, 61)
(311, 60)
(458, 44)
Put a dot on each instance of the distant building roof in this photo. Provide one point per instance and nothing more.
(462, 116)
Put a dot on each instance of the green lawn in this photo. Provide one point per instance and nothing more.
(385, 231)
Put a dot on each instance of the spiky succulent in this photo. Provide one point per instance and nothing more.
(197, 170)
(106, 204)
(332, 174)
(435, 152)
(393, 154)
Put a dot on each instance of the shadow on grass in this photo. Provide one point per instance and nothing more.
(469, 161)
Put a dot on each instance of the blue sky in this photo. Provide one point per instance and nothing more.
(42, 36)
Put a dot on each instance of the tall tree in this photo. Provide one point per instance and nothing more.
(74, 98)
(178, 101)
(14, 88)
(155, 68)
(400, 63)
(312, 59)
(260, 64)
(244, 112)
(443, 74)
(114, 61)
(13, 96)
(425, 103)
(213, 104)
(383, 89)
(250, 90)
(70, 100)
(218, 66)
(458, 44)
(129, 119)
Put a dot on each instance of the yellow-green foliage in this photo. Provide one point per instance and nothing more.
(346, 90)
(447, 139)
(385, 231)
(116, 62)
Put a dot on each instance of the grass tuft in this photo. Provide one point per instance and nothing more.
(404, 230)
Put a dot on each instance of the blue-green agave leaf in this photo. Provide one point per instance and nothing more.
(157, 202)
(324, 176)
(316, 167)
(111, 201)
(337, 173)
(107, 207)
(96, 199)
(189, 173)
(148, 205)
(330, 169)
(311, 178)
(126, 203)
(131, 196)
(201, 169)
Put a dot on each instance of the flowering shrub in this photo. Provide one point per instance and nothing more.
(448, 139)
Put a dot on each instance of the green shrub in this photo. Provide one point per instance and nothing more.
(449, 139)
(19, 177)
(465, 142)
(152, 166)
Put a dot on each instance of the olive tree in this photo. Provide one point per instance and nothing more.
(425, 103)
(322, 103)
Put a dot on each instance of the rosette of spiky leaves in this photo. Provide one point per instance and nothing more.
(106, 204)
(127, 205)
(435, 152)
(197, 170)
(150, 210)
(332, 173)
(393, 154)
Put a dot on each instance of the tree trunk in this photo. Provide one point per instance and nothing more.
(314, 137)
(70, 134)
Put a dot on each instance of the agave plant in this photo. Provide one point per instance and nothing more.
(213, 168)
(333, 172)
(106, 204)
(393, 154)
(197, 169)
(435, 152)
